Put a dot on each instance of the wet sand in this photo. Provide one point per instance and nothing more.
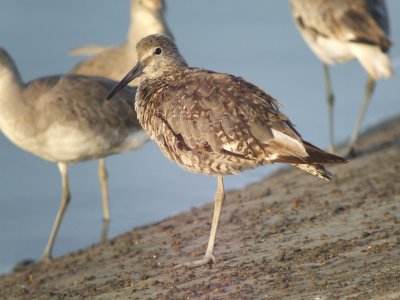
(289, 236)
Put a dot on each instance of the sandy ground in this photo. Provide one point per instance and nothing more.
(289, 236)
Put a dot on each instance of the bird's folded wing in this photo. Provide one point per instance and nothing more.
(221, 113)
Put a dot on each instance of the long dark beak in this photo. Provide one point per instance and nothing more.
(132, 74)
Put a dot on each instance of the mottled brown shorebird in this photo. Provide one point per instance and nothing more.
(342, 30)
(213, 123)
(65, 119)
(147, 17)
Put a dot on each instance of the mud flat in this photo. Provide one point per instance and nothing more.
(288, 236)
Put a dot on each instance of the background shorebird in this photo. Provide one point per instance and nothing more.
(65, 119)
(213, 123)
(147, 17)
(341, 30)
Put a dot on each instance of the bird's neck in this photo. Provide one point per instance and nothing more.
(11, 102)
(166, 71)
(10, 85)
(145, 22)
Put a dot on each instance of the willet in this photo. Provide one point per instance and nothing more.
(65, 119)
(147, 17)
(213, 123)
(341, 30)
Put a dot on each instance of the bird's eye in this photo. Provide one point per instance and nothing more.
(157, 51)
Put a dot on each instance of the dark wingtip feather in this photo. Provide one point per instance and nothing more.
(317, 155)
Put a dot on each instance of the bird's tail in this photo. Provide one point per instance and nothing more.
(317, 157)
(374, 61)
(316, 170)
(314, 155)
(312, 163)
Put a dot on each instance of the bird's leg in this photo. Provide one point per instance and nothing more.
(104, 195)
(330, 98)
(104, 231)
(65, 198)
(369, 89)
(218, 200)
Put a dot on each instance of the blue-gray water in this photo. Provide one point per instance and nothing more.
(253, 39)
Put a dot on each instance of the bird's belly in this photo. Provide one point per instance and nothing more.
(204, 162)
(195, 159)
(134, 140)
(71, 144)
(330, 51)
(75, 145)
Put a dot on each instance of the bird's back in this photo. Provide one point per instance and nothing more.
(112, 63)
(66, 118)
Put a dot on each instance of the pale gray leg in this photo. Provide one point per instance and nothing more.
(65, 198)
(104, 194)
(330, 98)
(218, 200)
(369, 89)
(104, 231)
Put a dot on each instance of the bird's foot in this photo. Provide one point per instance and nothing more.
(208, 259)
(46, 259)
(351, 152)
(105, 230)
(331, 149)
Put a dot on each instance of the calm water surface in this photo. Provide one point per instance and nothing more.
(253, 39)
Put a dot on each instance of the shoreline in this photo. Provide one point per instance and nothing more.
(286, 236)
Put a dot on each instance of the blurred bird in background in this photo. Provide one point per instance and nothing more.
(147, 17)
(340, 30)
(65, 119)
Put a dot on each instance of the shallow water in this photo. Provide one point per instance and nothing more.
(253, 39)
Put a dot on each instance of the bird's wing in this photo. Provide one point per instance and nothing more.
(79, 99)
(221, 113)
(112, 63)
(348, 21)
(378, 11)
(88, 50)
(358, 25)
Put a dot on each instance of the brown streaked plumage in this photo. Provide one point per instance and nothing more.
(213, 123)
(341, 30)
(65, 119)
(147, 17)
